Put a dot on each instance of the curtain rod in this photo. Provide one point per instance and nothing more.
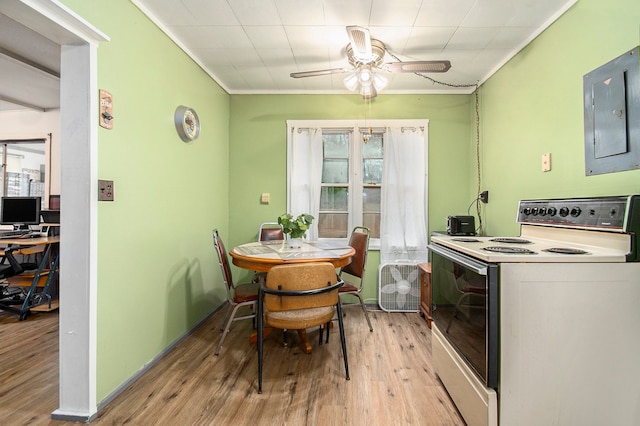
(360, 129)
(326, 129)
(413, 129)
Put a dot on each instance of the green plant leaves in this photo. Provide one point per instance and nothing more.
(295, 227)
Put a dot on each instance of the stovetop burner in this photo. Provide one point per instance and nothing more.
(565, 250)
(509, 250)
(466, 240)
(509, 240)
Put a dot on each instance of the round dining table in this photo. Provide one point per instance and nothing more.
(263, 255)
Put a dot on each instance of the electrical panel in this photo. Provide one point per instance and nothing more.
(612, 116)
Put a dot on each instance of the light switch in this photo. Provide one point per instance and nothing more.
(265, 198)
(546, 162)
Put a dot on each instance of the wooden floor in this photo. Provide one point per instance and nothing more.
(392, 379)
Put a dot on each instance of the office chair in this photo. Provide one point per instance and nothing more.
(297, 297)
(237, 295)
(360, 242)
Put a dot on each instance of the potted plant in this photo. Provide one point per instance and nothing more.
(295, 228)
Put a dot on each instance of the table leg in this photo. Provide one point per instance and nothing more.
(304, 341)
(305, 344)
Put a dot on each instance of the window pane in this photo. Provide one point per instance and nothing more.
(335, 145)
(372, 171)
(332, 225)
(371, 200)
(373, 148)
(372, 221)
(335, 171)
(334, 198)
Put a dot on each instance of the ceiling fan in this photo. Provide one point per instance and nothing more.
(366, 55)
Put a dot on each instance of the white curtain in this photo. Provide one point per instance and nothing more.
(403, 222)
(305, 167)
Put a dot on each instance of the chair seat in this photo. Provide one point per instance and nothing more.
(245, 292)
(300, 319)
(348, 288)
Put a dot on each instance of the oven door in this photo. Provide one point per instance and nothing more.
(465, 308)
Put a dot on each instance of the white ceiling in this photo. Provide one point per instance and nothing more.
(251, 46)
(29, 68)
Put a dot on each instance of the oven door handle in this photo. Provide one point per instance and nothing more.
(477, 267)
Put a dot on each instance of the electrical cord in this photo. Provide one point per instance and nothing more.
(478, 210)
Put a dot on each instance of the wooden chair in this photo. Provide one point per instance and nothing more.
(297, 297)
(237, 295)
(270, 231)
(360, 242)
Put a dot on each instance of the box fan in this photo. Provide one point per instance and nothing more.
(399, 287)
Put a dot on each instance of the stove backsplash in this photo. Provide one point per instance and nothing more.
(620, 214)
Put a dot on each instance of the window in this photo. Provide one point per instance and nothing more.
(350, 166)
(335, 172)
(23, 172)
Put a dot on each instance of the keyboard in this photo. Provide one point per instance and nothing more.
(14, 234)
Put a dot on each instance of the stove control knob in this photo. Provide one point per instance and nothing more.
(564, 211)
(542, 211)
(612, 213)
(551, 211)
(527, 211)
(575, 212)
(534, 211)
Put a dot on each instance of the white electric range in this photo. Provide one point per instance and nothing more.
(541, 328)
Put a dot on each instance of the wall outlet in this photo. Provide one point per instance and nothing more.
(484, 196)
(105, 190)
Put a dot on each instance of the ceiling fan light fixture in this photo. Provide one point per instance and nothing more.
(368, 92)
(351, 81)
(379, 81)
(366, 81)
(365, 75)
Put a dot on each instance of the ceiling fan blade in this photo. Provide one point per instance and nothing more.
(318, 72)
(360, 42)
(418, 66)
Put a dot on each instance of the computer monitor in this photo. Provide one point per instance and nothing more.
(20, 211)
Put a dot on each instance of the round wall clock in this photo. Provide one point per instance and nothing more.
(187, 123)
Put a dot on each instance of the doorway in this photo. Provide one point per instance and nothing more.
(78, 158)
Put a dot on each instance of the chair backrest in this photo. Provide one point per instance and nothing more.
(270, 231)
(360, 242)
(301, 277)
(223, 260)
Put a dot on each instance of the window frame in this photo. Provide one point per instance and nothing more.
(355, 128)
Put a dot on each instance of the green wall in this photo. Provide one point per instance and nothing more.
(157, 273)
(534, 105)
(258, 153)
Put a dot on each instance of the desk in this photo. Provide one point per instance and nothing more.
(263, 255)
(40, 278)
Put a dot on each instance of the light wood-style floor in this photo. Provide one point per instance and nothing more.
(392, 379)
